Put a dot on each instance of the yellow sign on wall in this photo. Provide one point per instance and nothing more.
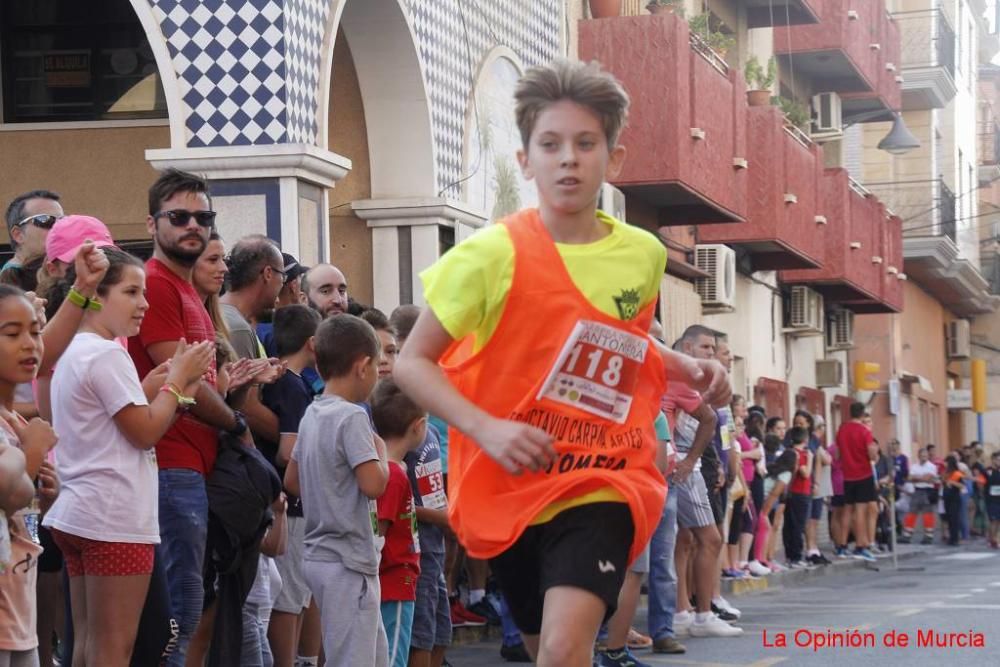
(864, 376)
(979, 385)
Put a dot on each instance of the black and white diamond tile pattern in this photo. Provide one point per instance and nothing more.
(305, 21)
(451, 54)
(231, 67)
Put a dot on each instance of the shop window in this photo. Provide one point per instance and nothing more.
(66, 60)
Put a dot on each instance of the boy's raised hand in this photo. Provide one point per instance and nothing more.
(189, 364)
(516, 446)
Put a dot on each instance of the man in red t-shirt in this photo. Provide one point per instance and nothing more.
(856, 450)
(180, 220)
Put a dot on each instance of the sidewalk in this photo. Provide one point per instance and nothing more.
(793, 577)
(736, 588)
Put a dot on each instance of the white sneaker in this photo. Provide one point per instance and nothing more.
(724, 605)
(757, 568)
(714, 627)
(682, 623)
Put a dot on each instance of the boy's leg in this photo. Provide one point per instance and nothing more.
(286, 615)
(706, 570)
(348, 603)
(682, 552)
(570, 621)
(662, 573)
(310, 634)
(628, 602)
(427, 614)
(565, 569)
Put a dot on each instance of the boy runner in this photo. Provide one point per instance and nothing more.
(541, 325)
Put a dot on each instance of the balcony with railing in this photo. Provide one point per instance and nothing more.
(853, 238)
(784, 207)
(927, 207)
(686, 134)
(760, 13)
(841, 51)
(988, 138)
(887, 94)
(931, 256)
(928, 58)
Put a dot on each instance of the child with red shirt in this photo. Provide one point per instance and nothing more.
(403, 426)
(799, 498)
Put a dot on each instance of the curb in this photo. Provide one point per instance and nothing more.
(737, 587)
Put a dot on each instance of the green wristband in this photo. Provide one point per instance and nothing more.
(84, 302)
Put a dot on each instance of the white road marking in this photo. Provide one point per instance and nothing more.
(908, 612)
(978, 590)
(960, 596)
(965, 556)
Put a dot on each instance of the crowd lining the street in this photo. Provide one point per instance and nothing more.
(206, 458)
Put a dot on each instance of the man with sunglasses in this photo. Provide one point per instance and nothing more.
(30, 216)
(180, 220)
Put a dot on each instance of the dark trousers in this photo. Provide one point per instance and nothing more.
(953, 509)
(796, 513)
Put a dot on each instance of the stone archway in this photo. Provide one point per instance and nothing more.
(394, 93)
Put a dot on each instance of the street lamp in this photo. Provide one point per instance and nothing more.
(899, 140)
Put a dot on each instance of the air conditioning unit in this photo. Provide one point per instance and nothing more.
(612, 201)
(958, 339)
(827, 116)
(805, 313)
(829, 373)
(840, 330)
(719, 261)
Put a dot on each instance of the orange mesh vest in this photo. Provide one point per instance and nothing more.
(556, 362)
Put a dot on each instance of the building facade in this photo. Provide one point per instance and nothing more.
(376, 134)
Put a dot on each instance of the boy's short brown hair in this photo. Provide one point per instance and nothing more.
(393, 411)
(340, 342)
(583, 83)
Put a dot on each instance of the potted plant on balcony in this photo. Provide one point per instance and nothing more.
(796, 113)
(760, 81)
(717, 40)
(605, 9)
(665, 7)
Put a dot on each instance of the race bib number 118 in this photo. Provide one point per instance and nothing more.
(597, 370)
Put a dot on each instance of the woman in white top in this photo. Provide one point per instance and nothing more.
(105, 519)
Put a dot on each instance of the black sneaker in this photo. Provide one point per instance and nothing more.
(818, 559)
(486, 610)
(903, 539)
(723, 614)
(515, 653)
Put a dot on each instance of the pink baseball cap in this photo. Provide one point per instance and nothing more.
(70, 232)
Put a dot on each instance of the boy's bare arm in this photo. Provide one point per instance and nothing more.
(437, 518)
(511, 444)
(702, 437)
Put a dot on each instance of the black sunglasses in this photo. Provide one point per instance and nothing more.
(42, 220)
(179, 217)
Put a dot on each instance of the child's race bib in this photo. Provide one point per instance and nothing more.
(597, 370)
(430, 485)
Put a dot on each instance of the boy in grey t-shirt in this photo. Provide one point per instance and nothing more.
(338, 467)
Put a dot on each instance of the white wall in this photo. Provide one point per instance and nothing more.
(965, 114)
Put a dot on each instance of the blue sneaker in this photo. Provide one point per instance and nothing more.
(620, 658)
(863, 554)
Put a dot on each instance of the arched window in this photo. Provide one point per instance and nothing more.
(67, 60)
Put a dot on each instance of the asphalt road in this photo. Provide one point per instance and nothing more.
(943, 591)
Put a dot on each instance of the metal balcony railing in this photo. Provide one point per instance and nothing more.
(923, 28)
(926, 207)
(989, 142)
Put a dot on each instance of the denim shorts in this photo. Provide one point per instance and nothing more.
(432, 615)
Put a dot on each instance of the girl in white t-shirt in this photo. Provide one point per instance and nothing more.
(105, 519)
